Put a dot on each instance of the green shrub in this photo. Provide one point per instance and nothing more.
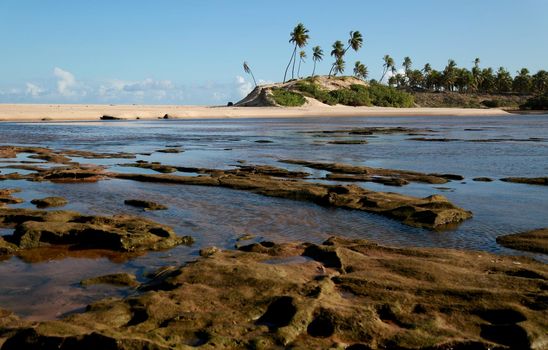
(313, 90)
(491, 103)
(357, 95)
(287, 98)
(539, 102)
(386, 96)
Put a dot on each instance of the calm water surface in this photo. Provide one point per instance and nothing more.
(217, 216)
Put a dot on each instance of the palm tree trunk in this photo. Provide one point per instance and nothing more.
(299, 69)
(383, 74)
(293, 68)
(314, 70)
(253, 78)
(292, 55)
(331, 70)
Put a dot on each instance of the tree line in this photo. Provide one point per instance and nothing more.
(463, 80)
(451, 78)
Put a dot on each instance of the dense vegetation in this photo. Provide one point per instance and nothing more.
(539, 102)
(287, 98)
(357, 95)
(463, 80)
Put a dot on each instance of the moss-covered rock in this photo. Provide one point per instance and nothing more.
(36, 228)
(49, 202)
(343, 293)
(531, 241)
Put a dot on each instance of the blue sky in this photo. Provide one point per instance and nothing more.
(191, 52)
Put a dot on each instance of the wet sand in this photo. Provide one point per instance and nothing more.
(65, 112)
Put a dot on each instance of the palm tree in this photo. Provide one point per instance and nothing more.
(503, 80)
(540, 81)
(388, 64)
(299, 37)
(407, 64)
(338, 53)
(449, 75)
(338, 67)
(407, 69)
(317, 55)
(360, 70)
(355, 42)
(302, 56)
(476, 74)
(522, 82)
(248, 71)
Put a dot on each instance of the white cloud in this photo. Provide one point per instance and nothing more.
(63, 86)
(147, 88)
(65, 82)
(244, 87)
(34, 90)
(389, 74)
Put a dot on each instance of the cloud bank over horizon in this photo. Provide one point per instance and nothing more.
(63, 86)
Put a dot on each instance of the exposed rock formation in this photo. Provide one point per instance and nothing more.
(343, 294)
(146, 205)
(37, 228)
(434, 212)
(49, 202)
(531, 241)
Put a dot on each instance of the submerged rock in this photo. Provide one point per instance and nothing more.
(410, 176)
(348, 142)
(7, 198)
(352, 293)
(165, 169)
(146, 205)
(36, 228)
(434, 212)
(527, 180)
(483, 179)
(170, 150)
(116, 279)
(531, 241)
(49, 202)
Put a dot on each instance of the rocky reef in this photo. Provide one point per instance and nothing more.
(38, 228)
(527, 180)
(530, 241)
(433, 212)
(342, 294)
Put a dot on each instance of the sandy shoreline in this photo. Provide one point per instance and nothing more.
(65, 112)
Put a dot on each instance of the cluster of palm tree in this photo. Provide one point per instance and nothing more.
(299, 38)
(461, 79)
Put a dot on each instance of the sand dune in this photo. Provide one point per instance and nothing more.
(36, 112)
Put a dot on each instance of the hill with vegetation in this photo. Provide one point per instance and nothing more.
(452, 86)
(349, 91)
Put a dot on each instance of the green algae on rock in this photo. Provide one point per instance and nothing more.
(146, 205)
(7, 198)
(36, 228)
(346, 294)
(530, 241)
(49, 202)
(433, 212)
(115, 279)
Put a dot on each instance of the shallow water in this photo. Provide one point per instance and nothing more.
(217, 216)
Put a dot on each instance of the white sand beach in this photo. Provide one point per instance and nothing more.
(81, 112)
